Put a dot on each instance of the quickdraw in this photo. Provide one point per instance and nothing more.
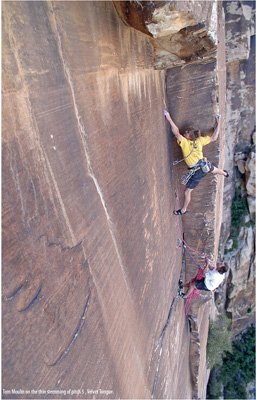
(201, 254)
(185, 178)
(202, 164)
(190, 250)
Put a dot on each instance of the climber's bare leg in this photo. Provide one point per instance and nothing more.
(187, 200)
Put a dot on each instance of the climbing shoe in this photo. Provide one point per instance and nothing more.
(179, 212)
(181, 294)
(180, 284)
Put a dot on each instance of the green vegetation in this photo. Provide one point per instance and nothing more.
(215, 387)
(239, 209)
(219, 340)
(238, 369)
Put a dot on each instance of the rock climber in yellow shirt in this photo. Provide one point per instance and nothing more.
(192, 143)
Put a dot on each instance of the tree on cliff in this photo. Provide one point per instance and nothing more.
(237, 370)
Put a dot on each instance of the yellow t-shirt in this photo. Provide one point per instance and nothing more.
(197, 146)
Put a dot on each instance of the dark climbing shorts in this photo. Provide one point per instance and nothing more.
(201, 285)
(198, 176)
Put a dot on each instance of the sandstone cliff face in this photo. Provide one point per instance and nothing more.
(240, 160)
(182, 31)
(90, 256)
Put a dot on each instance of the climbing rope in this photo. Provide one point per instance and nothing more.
(194, 295)
(189, 252)
(185, 178)
(201, 254)
(200, 272)
(196, 252)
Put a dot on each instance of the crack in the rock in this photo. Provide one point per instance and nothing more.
(59, 244)
(160, 343)
(15, 291)
(75, 334)
(84, 264)
(251, 264)
(161, 337)
(33, 301)
(83, 135)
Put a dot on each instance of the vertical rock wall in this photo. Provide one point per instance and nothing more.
(90, 257)
(240, 161)
(195, 105)
(200, 89)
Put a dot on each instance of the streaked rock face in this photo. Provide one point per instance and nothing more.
(239, 29)
(90, 256)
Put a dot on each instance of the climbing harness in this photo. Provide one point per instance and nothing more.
(185, 178)
(202, 164)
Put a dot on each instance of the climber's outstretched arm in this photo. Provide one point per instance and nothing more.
(174, 127)
(217, 129)
(209, 264)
